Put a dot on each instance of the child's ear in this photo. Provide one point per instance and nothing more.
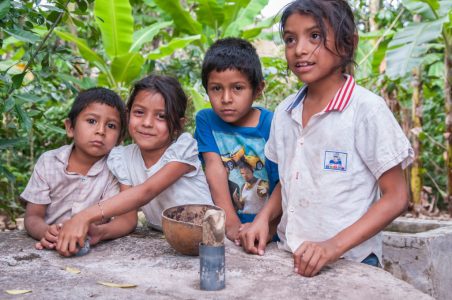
(182, 122)
(259, 90)
(69, 128)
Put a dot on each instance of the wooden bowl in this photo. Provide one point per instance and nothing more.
(182, 226)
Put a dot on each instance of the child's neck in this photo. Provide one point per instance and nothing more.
(319, 95)
(151, 157)
(80, 162)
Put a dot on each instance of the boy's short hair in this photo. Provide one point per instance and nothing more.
(236, 54)
(103, 96)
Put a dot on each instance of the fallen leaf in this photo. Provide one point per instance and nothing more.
(72, 270)
(117, 285)
(18, 292)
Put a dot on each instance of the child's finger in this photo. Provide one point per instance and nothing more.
(50, 237)
(297, 256)
(46, 244)
(73, 246)
(261, 246)
(38, 246)
(304, 261)
(312, 265)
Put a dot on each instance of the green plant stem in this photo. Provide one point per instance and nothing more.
(375, 47)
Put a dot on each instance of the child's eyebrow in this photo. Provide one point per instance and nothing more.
(315, 27)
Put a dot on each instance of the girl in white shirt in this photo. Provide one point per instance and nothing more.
(160, 170)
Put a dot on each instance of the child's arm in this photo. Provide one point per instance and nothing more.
(254, 238)
(38, 229)
(118, 227)
(74, 231)
(217, 179)
(311, 257)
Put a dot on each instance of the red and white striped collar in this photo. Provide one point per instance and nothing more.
(339, 101)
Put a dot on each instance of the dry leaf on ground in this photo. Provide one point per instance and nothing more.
(117, 285)
(72, 270)
(17, 292)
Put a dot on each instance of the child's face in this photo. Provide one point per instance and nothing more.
(96, 131)
(147, 122)
(305, 51)
(231, 95)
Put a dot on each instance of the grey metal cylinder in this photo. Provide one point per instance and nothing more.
(212, 270)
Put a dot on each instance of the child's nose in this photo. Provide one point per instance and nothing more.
(101, 128)
(226, 97)
(301, 48)
(148, 121)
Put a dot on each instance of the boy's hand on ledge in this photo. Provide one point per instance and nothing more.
(72, 236)
(311, 257)
(95, 234)
(50, 238)
(254, 236)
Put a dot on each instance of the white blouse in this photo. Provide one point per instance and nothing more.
(127, 164)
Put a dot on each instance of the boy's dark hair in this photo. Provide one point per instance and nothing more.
(340, 16)
(172, 93)
(103, 96)
(233, 54)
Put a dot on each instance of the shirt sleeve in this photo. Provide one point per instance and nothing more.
(117, 165)
(37, 190)
(203, 133)
(381, 142)
(184, 150)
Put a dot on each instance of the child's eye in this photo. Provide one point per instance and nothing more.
(91, 121)
(161, 116)
(315, 36)
(215, 88)
(289, 40)
(239, 87)
(111, 125)
(137, 112)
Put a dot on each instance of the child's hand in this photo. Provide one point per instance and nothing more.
(95, 234)
(50, 238)
(72, 236)
(254, 237)
(311, 257)
(232, 230)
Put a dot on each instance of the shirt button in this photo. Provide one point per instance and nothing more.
(301, 141)
(83, 179)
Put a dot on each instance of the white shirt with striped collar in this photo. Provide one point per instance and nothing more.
(329, 169)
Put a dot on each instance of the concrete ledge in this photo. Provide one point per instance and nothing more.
(145, 259)
(419, 252)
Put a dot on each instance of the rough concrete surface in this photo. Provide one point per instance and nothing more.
(145, 259)
(419, 252)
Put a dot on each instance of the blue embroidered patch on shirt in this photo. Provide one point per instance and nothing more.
(335, 160)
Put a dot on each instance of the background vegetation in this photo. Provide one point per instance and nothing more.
(50, 50)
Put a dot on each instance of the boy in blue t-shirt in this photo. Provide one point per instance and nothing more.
(231, 136)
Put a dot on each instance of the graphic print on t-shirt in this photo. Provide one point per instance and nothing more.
(244, 160)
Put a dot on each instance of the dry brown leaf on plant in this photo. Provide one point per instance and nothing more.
(17, 292)
(72, 270)
(117, 285)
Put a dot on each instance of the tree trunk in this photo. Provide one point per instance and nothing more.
(416, 178)
(374, 8)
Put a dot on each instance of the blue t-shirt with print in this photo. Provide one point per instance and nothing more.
(237, 147)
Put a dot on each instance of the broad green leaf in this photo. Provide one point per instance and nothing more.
(408, 45)
(146, 35)
(210, 13)
(182, 19)
(23, 35)
(46, 127)
(231, 10)
(115, 21)
(10, 177)
(257, 29)
(198, 100)
(418, 7)
(17, 80)
(173, 45)
(24, 119)
(86, 51)
(4, 8)
(9, 103)
(8, 143)
(29, 98)
(245, 17)
(127, 67)
(436, 70)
